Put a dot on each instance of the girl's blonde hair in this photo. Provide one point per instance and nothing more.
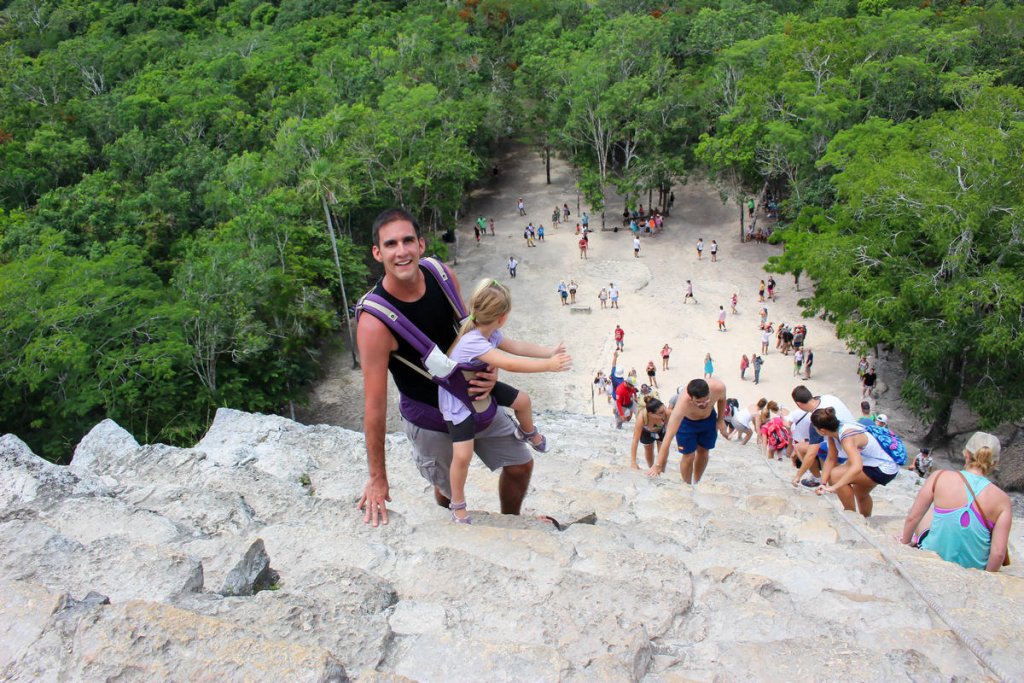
(983, 449)
(490, 301)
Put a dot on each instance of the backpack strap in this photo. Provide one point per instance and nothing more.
(436, 365)
(441, 274)
(435, 362)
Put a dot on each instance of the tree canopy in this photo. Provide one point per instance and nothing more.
(173, 173)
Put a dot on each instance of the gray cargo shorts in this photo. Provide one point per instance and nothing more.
(496, 446)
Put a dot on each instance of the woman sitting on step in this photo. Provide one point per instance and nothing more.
(964, 517)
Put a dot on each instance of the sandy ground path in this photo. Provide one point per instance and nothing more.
(651, 311)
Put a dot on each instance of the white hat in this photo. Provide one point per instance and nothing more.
(882, 417)
(981, 440)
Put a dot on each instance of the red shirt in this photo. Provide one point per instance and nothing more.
(619, 334)
(624, 397)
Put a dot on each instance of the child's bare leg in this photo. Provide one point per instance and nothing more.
(523, 408)
(462, 455)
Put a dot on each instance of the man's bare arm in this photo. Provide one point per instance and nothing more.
(375, 343)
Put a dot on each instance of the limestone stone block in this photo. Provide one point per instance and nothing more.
(102, 449)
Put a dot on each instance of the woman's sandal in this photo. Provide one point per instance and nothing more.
(459, 506)
(527, 437)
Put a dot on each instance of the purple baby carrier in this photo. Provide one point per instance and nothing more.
(435, 365)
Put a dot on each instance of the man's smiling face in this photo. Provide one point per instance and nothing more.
(400, 250)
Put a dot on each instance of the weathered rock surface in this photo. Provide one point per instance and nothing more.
(244, 558)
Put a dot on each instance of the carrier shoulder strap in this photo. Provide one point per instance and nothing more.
(435, 362)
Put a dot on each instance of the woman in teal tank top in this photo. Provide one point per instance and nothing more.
(963, 516)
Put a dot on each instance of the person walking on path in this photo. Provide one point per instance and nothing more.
(565, 212)
(868, 382)
(714, 251)
(620, 336)
(666, 351)
(744, 364)
(798, 362)
(760, 291)
(512, 265)
(585, 219)
(734, 301)
(521, 205)
(563, 292)
(572, 290)
(757, 362)
(476, 234)
(709, 366)
(490, 224)
(966, 519)
(700, 248)
(528, 235)
(695, 422)
(584, 245)
(771, 287)
(602, 296)
(636, 247)
(613, 294)
(689, 293)
(766, 338)
(540, 233)
(652, 372)
(555, 216)
(808, 361)
(750, 207)
(721, 318)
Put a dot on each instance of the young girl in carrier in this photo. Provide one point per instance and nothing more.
(480, 339)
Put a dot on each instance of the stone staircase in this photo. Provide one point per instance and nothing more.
(744, 579)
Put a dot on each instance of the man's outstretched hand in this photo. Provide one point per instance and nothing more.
(376, 495)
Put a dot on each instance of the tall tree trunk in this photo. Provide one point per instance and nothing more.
(547, 163)
(937, 431)
(341, 282)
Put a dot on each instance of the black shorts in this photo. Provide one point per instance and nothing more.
(647, 438)
(878, 476)
(504, 394)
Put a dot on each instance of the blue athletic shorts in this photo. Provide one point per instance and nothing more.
(823, 453)
(694, 433)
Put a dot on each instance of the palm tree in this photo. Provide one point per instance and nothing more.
(320, 182)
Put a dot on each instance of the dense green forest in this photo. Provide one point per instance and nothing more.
(174, 173)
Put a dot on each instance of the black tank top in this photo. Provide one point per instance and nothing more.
(435, 317)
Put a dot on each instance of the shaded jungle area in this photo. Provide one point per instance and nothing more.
(174, 175)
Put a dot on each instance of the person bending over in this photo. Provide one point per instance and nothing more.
(867, 464)
(696, 421)
(650, 428)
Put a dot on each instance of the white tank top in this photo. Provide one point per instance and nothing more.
(872, 454)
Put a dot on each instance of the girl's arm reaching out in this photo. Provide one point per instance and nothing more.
(556, 363)
(518, 347)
